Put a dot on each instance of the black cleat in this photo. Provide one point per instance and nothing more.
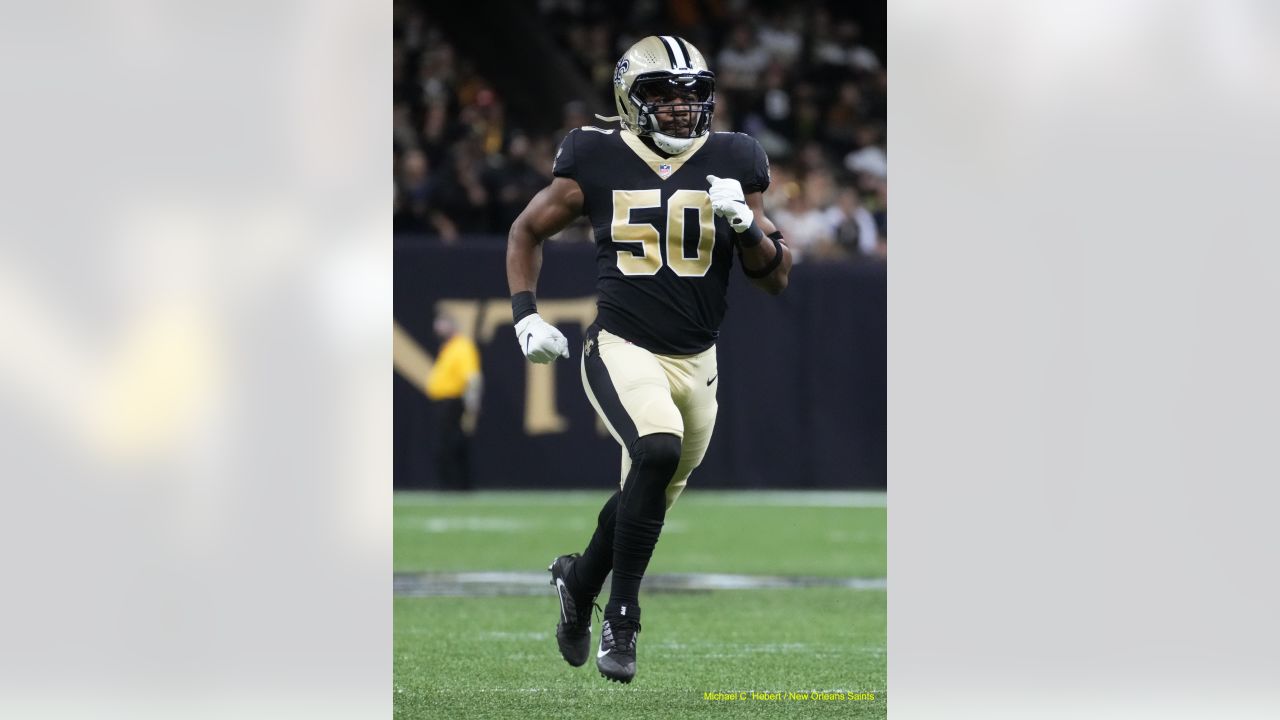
(573, 631)
(616, 658)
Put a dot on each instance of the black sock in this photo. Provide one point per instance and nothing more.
(642, 507)
(586, 576)
(617, 612)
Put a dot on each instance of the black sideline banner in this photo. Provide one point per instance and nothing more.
(802, 376)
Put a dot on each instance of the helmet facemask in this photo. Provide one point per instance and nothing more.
(674, 109)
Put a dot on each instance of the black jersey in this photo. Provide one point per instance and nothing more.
(663, 256)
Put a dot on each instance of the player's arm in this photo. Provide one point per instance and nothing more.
(767, 263)
(549, 212)
(765, 258)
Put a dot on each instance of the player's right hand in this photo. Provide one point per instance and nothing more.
(540, 340)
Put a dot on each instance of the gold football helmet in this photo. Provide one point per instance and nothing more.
(663, 90)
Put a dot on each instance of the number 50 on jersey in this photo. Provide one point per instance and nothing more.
(649, 259)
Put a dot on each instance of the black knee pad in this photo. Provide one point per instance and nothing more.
(654, 459)
(659, 452)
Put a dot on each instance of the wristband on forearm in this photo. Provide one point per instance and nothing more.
(750, 237)
(523, 305)
(776, 237)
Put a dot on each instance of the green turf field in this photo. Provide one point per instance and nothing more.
(496, 657)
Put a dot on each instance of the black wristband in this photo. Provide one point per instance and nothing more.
(775, 235)
(750, 237)
(523, 305)
(773, 264)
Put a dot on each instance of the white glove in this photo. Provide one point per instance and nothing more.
(728, 202)
(540, 340)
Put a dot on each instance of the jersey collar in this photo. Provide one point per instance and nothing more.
(662, 167)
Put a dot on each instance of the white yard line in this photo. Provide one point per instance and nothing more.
(794, 498)
(487, 584)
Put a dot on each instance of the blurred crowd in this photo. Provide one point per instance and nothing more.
(799, 79)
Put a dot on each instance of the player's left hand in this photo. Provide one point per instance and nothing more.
(728, 202)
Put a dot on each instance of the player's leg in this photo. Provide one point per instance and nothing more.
(642, 510)
(578, 579)
(694, 381)
(587, 574)
(628, 387)
(700, 422)
(595, 563)
(655, 470)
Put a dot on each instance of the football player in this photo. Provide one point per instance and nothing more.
(670, 202)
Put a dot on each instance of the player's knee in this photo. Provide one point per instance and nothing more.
(654, 461)
(659, 453)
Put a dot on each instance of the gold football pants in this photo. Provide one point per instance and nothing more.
(640, 393)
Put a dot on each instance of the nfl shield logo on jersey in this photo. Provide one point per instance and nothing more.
(664, 170)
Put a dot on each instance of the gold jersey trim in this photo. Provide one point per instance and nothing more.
(656, 161)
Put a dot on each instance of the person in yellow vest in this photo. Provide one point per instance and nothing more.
(454, 387)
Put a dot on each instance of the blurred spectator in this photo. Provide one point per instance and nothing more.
(812, 157)
(738, 68)
(781, 34)
(541, 152)
(855, 227)
(843, 120)
(414, 179)
(402, 134)
(413, 199)
(483, 119)
(782, 177)
(808, 116)
(739, 65)
(599, 55)
(435, 125)
(840, 45)
(454, 386)
(575, 116)
(772, 121)
(869, 158)
(806, 227)
(512, 182)
(460, 194)
(722, 120)
(880, 200)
